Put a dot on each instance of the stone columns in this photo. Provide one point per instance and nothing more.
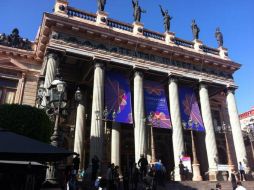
(177, 135)
(211, 148)
(52, 63)
(96, 135)
(115, 144)
(139, 130)
(236, 129)
(80, 133)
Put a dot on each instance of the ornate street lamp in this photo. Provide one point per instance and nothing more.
(152, 121)
(195, 162)
(226, 129)
(107, 132)
(78, 95)
(57, 104)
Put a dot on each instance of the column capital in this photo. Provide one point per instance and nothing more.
(52, 55)
(203, 85)
(99, 64)
(138, 72)
(231, 89)
(172, 78)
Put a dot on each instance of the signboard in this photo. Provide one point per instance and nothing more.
(186, 160)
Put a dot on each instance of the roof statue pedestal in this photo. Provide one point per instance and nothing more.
(169, 37)
(138, 28)
(101, 18)
(61, 7)
(223, 52)
(197, 44)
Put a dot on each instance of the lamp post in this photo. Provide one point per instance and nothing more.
(106, 135)
(226, 129)
(56, 105)
(152, 121)
(195, 162)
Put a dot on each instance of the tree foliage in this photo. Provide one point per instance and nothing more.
(26, 120)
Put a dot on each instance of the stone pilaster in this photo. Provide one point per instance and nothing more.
(139, 130)
(223, 52)
(138, 28)
(61, 7)
(211, 147)
(115, 144)
(236, 129)
(177, 135)
(169, 38)
(80, 133)
(97, 128)
(52, 63)
(197, 44)
(101, 18)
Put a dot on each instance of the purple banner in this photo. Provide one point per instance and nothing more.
(118, 96)
(156, 103)
(190, 112)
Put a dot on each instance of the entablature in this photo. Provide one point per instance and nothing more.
(155, 45)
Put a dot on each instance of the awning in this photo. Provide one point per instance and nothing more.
(18, 147)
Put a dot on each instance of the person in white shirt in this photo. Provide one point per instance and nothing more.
(239, 186)
(241, 171)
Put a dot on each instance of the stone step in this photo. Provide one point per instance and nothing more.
(203, 185)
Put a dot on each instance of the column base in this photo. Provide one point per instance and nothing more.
(213, 176)
(196, 172)
(177, 176)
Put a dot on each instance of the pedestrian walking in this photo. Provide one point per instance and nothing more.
(143, 163)
(95, 167)
(241, 171)
(135, 177)
(109, 176)
(76, 162)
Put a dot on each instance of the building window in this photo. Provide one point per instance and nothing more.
(8, 90)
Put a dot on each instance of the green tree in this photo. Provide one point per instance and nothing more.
(26, 120)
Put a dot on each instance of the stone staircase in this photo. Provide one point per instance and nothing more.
(203, 185)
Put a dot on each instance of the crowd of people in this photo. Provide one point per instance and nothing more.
(145, 174)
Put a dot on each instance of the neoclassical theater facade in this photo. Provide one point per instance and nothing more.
(87, 49)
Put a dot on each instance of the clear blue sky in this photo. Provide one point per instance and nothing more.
(235, 18)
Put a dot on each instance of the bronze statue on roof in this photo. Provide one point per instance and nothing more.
(219, 37)
(101, 5)
(137, 11)
(195, 30)
(166, 19)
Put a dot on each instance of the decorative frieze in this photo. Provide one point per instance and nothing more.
(138, 54)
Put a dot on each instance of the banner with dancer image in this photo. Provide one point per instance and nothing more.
(118, 96)
(190, 112)
(156, 103)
